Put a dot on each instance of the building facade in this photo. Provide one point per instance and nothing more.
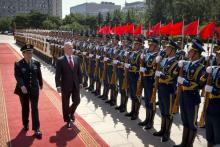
(13, 7)
(94, 8)
(138, 6)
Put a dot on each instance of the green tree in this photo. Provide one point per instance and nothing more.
(100, 19)
(49, 25)
(5, 23)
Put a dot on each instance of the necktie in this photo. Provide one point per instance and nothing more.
(71, 63)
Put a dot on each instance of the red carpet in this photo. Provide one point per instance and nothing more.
(54, 130)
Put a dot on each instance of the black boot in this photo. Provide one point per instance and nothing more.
(184, 137)
(136, 110)
(166, 135)
(191, 138)
(162, 128)
(124, 104)
(151, 119)
(144, 123)
(132, 109)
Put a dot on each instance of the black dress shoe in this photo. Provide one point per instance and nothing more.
(38, 134)
(112, 103)
(108, 101)
(26, 128)
(101, 96)
(70, 124)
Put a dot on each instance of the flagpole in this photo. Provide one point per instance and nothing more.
(182, 45)
(198, 28)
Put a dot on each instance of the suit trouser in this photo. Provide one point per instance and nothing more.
(69, 110)
(33, 97)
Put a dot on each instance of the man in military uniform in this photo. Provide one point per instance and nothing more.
(190, 98)
(133, 66)
(167, 82)
(212, 88)
(29, 81)
(148, 80)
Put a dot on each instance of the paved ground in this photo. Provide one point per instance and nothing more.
(116, 129)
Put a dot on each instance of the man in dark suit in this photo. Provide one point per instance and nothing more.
(68, 80)
(29, 80)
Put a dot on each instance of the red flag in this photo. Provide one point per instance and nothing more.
(129, 28)
(156, 29)
(208, 30)
(148, 33)
(166, 30)
(138, 30)
(120, 30)
(218, 30)
(107, 30)
(192, 28)
(177, 29)
(98, 30)
(113, 30)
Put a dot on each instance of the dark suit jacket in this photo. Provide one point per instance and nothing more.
(65, 77)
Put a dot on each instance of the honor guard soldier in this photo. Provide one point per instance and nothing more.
(133, 75)
(212, 89)
(109, 70)
(167, 82)
(190, 98)
(120, 74)
(29, 81)
(148, 80)
(114, 79)
(98, 68)
(106, 74)
(213, 60)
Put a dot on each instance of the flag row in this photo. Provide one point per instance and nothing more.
(170, 29)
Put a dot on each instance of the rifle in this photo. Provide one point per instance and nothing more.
(125, 80)
(156, 84)
(104, 70)
(114, 77)
(140, 80)
(175, 107)
(205, 106)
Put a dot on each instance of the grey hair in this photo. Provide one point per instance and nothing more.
(68, 43)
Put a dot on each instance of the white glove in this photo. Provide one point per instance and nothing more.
(126, 53)
(90, 55)
(180, 63)
(208, 88)
(84, 53)
(142, 69)
(180, 80)
(209, 69)
(105, 59)
(74, 50)
(158, 59)
(127, 65)
(97, 47)
(105, 48)
(24, 90)
(77, 51)
(206, 58)
(115, 61)
(97, 57)
(142, 56)
(157, 73)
